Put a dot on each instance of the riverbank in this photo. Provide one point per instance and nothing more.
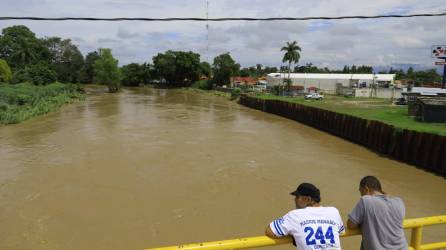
(376, 109)
(424, 150)
(20, 102)
(210, 92)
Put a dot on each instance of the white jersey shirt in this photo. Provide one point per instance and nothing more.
(312, 227)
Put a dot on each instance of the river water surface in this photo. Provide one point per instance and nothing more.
(148, 168)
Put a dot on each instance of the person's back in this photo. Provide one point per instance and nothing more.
(380, 218)
(311, 225)
(381, 223)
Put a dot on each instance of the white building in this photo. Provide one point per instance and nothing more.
(327, 83)
(425, 91)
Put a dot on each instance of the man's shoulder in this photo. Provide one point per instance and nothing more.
(312, 210)
(331, 209)
(371, 198)
(375, 200)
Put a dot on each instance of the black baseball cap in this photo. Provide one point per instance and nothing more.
(308, 189)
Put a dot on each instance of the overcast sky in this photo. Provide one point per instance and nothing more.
(324, 43)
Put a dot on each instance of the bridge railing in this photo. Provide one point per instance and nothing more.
(415, 224)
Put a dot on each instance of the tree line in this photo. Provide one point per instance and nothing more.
(27, 58)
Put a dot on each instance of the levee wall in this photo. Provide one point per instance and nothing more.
(424, 150)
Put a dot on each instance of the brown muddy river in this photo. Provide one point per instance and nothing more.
(149, 168)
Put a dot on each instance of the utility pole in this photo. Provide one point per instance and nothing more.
(207, 31)
(444, 73)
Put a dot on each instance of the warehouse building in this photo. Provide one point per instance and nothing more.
(329, 83)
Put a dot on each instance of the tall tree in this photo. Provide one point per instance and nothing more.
(244, 72)
(134, 74)
(291, 55)
(20, 47)
(87, 72)
(259, 70)
(5, 72)
(205, 69)
(177, 68)
(66, 59)
(107, 70)
(270, 70)
(146, 73)
(224, 67)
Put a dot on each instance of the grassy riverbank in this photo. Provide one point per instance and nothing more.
(210, 92)
(19, 102)
(367, 108)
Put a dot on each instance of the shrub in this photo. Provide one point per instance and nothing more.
(277, 90)
(3, 106)
(235, 93)
(19, 102)
(38, 74)
(202, 84)
(5, 71)
(23, 99)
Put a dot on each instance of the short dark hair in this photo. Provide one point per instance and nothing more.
(371, 182)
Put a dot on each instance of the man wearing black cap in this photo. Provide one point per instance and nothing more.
(311, 225)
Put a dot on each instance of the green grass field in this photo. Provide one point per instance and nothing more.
(19, 102)
(368, 108)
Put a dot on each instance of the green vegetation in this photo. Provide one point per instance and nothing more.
(205, 69)
(224, 68)
(202, 84)
(177, 68)
(87, 71)
(107, 70)
(367, 108)
(134, 74)
(5, 72)
(210, 92)
(21, 101)
(418, 78)
(66, 59)
(20, 47)
(235, 93)
(38, 74)
(291, 55)
(258, 71)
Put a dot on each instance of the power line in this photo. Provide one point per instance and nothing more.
(217, 19)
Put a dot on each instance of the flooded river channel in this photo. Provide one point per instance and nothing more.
(148, 168)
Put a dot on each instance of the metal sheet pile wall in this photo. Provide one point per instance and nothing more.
(424, 150)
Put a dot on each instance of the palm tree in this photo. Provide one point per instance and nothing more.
(291, 56)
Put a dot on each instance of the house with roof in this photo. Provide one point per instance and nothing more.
(238, 81)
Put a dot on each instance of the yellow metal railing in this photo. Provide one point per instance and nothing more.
(416, 225)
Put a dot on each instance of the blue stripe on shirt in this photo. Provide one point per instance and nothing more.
(277, 226)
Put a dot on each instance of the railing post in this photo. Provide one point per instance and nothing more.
(415, 240)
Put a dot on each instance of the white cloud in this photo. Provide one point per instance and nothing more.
(409, 42)
(325, 43)
(125, 34)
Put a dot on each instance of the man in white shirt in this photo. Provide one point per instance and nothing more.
(311, 225)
